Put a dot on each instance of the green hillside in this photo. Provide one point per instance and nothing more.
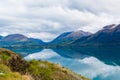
(13, 67)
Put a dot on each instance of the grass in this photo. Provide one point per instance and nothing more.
(7, 74)
(45, 70)
(13, 67)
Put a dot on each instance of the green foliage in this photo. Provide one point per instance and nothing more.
(40, 70)
(45, 70)
(17, 68)
(4, 69)
(7, 74)
(4, 57)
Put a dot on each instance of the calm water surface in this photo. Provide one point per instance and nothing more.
(96, 67)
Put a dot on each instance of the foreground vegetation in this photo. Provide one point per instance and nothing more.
(13, 67)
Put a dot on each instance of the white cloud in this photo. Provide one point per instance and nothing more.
(42, 35)
(55, 16)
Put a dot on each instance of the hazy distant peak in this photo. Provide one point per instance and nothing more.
(110, 26)
(15, 37)
(79, 33)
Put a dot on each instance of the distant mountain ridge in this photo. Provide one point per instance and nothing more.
(68, 37)
(60, 37)
(19, 40)
(108, 35)
(14, 37)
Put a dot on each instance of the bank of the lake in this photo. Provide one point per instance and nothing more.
(14, 67)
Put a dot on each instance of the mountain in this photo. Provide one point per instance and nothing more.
(15, 37)
(1, 37)
(36, 40)
(109, 35)
(60, 38)
(19, 40)
(69, 37)
(14, 67)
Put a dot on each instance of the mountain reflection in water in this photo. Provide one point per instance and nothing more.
(95, 63)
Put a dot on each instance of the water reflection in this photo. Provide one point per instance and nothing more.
(86, 65)
(70, 53)
(108, 55)
(24, 51)
(95, 63)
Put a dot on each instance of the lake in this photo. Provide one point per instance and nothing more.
(95, 63)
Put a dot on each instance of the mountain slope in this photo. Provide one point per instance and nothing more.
(69, 37)
(60, 38)
(108, 35)
(14, 37)
(1, 37)
(18, 40)
(36, 40)
(13, 67)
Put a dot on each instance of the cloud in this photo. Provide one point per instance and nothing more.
(55, 17)
(42, 35)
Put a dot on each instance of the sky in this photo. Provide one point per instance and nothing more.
(46, 19)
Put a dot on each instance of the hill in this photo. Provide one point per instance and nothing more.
(21, 41)
(67, 38)
(13, 67)
(109, 35)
